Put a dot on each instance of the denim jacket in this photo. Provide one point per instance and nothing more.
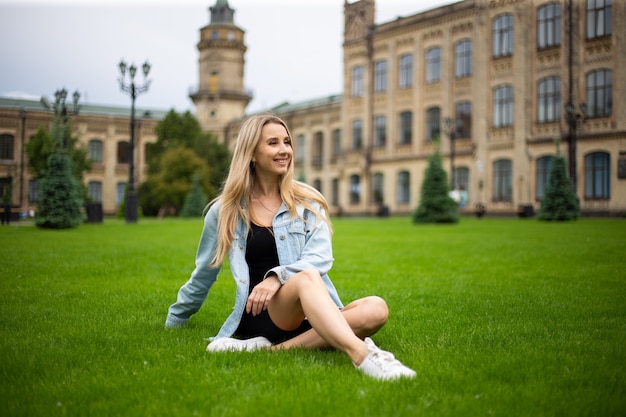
(302, 243)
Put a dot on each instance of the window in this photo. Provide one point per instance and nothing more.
(503, 106)
(433, 65)
(95, 191)
(355, 189)
(380, 76)
(120, 193)
(6, 147)
(406, 71)
(463, 58)
(599, 93)
(317, 184)
(433, 116)
(33, 188)
(598, 176)
(464, 120)
(406, 128)
(300, 149)
(503, 180)
(503, 35)
(336, 142)
(318, 149)
(123, 152)
(549, 25)
(549, 100)
(358, 84)
(334, 197)
(378, 188)
(380, 133)
(404, 187)
(357, 134)
(599, 20)
(95, 150)
(461, 183)
(544, 167)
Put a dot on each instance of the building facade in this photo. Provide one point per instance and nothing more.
(497, 86)
(103, 130)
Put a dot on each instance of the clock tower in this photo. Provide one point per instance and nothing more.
(220, 96)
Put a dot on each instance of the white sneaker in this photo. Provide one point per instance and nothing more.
(382, 365)
(225, 344)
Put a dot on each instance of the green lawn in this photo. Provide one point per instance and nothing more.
(505, 317)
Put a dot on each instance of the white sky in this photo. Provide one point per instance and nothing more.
(294, 47)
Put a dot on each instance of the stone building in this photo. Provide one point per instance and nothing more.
(496, 85)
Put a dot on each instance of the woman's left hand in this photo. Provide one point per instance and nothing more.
(261, 295)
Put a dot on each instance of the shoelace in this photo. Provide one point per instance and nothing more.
(386, 358)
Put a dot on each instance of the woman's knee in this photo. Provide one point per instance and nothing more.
(377, 309)
(308, 277)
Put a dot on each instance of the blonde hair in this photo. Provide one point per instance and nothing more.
(237, 189)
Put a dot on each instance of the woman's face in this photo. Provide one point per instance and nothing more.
(273, 153)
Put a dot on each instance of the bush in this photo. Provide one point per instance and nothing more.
(60, 204)
(560, 202)
(436, 205)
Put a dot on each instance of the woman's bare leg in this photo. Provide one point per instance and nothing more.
(305, 295)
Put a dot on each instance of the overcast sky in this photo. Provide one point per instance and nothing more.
(294, 47)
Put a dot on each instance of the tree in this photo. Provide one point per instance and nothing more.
(180, 132)
(436, 206)
(559, 203)
(60, 201)
(42, 145)
(166, 191)
(196, 200)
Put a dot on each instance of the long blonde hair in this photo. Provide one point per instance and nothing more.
(237, 189)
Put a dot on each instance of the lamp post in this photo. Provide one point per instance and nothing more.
(572, 118)
(451, 131)
(62, 113)
(133, 90)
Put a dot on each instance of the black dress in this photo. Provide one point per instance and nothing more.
(261, 256)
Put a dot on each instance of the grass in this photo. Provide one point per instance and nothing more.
(502, 317)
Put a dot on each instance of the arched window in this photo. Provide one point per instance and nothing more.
(380, 76)
(406, 71)
(598, 176)
(503, 180)
(6, 147)
(549, 25)
(433, 65)
(403, 187)
(95, 150)
(544, 166)
(95, 191)
(503, 35)
(503, 106)
(355, 189)
(433, 120)
(549, 100)
(463, 58)
(318, 150)
(599, 93)
(380, 132)
(378, 187)
(123, 152)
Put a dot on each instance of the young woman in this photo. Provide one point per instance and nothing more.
(276, 233)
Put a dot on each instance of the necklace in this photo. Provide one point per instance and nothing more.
(263, 205)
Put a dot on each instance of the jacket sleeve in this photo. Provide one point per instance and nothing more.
(192, 294)
(317, 252)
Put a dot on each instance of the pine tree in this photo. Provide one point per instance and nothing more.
(560, 201)
(436, 206)
(195, 201)
(60, 203)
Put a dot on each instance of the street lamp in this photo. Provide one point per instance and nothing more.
(133, 90)
(451, 130)
(62, 112)
(572, 118)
